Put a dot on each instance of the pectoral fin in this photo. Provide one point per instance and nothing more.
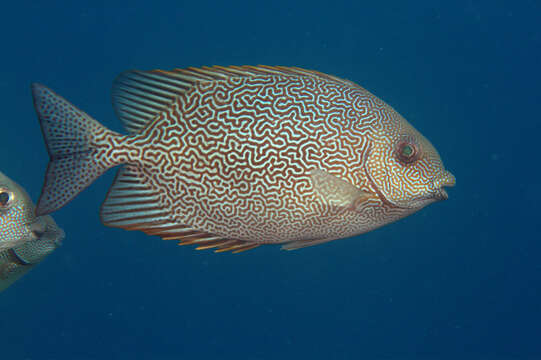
(337, 192)
(10, 271)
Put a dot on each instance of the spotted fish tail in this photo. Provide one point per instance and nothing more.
(75, 156)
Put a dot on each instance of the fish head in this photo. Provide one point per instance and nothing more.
(48, 237)
(18, 222)
(15, 262)
(25, 239)
(405, 168)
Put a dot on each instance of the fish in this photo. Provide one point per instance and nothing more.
(230, 158)
(25, 239)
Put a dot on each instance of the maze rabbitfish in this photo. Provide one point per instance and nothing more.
(234, 157)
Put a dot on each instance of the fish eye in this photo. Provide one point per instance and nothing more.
(407, 151)
(6, 198)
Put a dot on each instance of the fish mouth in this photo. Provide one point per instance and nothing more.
(446, 179)
(60, 236)
(441, 194)
(45, 229)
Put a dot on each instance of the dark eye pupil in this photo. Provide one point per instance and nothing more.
(4, 198)
(407, 151)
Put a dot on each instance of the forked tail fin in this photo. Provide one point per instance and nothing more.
(70, 135)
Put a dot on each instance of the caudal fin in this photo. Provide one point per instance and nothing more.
(68, 133)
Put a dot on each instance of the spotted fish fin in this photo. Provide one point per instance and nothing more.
(73, 162)
(133, 205)
(337, 192)
(139, 96)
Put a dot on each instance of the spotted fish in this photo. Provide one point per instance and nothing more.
(234, 157)
(25, 240)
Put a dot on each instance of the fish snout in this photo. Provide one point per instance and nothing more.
(46, 229)
(445, 179)
(60, 235)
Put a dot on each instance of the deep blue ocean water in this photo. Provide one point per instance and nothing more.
(460, 279)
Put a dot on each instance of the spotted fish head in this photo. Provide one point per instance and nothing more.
(405, 168)
(25, 239)
(18, 223)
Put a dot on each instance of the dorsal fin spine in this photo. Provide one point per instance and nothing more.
(159, 81)
(139, 96)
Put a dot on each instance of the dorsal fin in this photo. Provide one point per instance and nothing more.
(139, 96)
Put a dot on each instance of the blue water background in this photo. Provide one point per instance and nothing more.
(461, 279)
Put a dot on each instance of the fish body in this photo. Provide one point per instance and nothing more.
(235, 157)
(25, 240)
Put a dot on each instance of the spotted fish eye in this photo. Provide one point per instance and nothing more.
(6, 199)
(407, 151)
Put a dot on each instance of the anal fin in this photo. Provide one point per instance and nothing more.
(299, 244)
(220, 245)
(133, 205)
